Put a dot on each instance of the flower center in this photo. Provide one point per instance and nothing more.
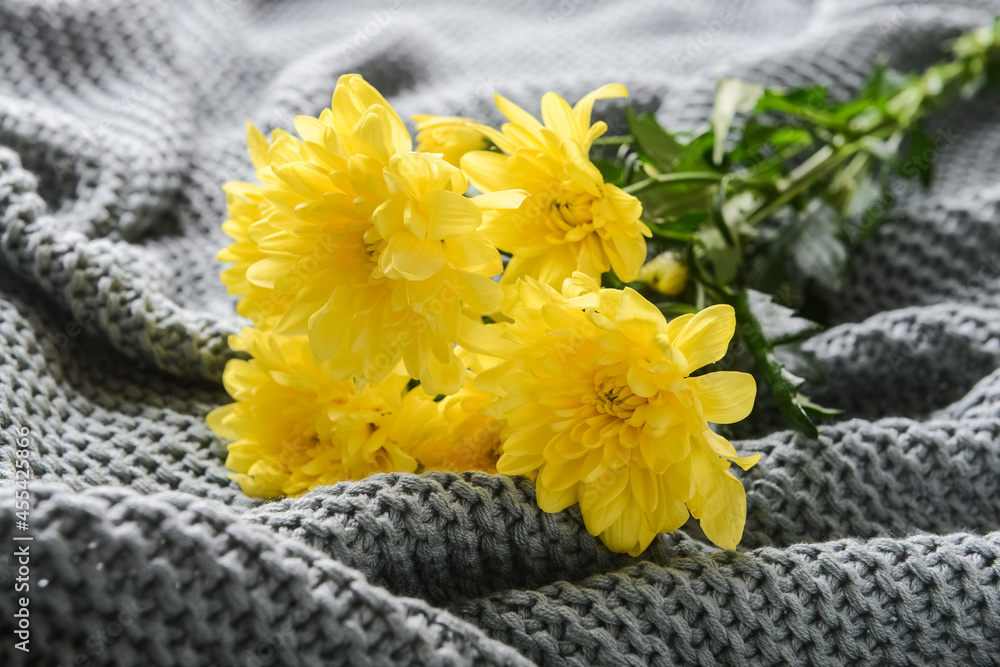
(612, 396)
(572, 209)
(372, 246)
(295, 448)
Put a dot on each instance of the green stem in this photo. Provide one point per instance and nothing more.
(938, 85)
(680, 177)
(623, 140)
(770, 368)
(661, 233)
(796, 187)
(819, 165)
(749, 175)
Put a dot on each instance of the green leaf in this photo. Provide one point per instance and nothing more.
(779, 324)
(688, 223)
(807, 103)
(732, 96)
(800, 362)
(905, 105)
(783, 385)
(922, 153)
(734, 213)
(674, 309)
(869, 108)
(611, 171)
(726, 262)
(866, 119)
(867, 193)
(788, 136)
(886, 150)
(676, 201)
(978, 41)
(697, 155)
(812, 97)
(884, 83)
(718, 216)
(866, 208)
(656, 144)
(764, 149)
(819, 250)
(815, 410)
(660, 232)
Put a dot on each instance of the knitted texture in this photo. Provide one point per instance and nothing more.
(119, 121)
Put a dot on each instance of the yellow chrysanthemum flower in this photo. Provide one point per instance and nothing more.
(473, 441)
(373, 251)
(451, 136)
(572, 220)
(666, 273)
(246, 205)
(598, 398)
(475, 436)
(293, 428)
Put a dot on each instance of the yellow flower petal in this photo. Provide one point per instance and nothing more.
(726, 396)
(724, 448)
(217, 421)
(479, 293)
(558, 116)
(670, 514)
(352, 98)
(597, 519)
(628, 533)
(584, 108)
(295, 321)
(722, 509)
(372, 137)
(676, 325)
(515, 113)
(641, 381)
(644, 489)
(349, 222)
(606, 489)
(706, 335)
(510, 464)
(504, 199)
(554, 501)
(487, 171)
(637, 318)
(627, 253)
(267, 271)
(475, 255)
(257, 146)
(410, 258)
(440, 377)
(451, 136)
(450, 214)
(568, 473)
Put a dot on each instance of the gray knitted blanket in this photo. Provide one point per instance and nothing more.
(119, 121)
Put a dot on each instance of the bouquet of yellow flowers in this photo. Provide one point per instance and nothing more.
(563, 322)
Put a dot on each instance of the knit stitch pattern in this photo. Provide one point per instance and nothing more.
(878, 543)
